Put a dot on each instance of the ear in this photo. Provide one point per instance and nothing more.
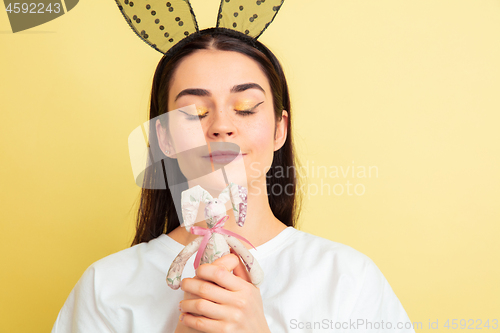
(281, 131)
(164, 140)
(190, 203)
(239, 202)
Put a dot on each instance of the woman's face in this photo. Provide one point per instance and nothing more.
(234, 104)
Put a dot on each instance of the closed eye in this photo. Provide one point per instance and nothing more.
(248, 112)
(244, 112)
(195, 116)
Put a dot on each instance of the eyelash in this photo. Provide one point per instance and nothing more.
(243, 113)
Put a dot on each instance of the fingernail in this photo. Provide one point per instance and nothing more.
(180, 306)
(181, 317)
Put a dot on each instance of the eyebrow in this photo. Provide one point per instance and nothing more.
(203, 92)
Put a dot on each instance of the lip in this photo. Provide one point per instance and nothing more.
(223, 156)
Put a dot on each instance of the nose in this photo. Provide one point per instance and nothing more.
(221, 126)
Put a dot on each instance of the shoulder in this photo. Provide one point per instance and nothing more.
(325, 252)
(130, 273)
(351, 276)
(122, 260)
(132, 279)
(337, 264)
(149, 256)
(356, 274)
(304, 255)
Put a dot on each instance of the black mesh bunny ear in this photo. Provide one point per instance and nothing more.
(249, 17)
(160, 24)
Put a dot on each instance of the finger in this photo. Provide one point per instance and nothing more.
(233, 263)
(220, 275)
(203, 307)
(228, 261)
(202, 324)
(200, 288)
(241, 270)
(181, 323)
(188, 295)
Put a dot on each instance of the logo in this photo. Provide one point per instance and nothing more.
(28, 14)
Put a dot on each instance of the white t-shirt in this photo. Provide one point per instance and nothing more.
(310, 284)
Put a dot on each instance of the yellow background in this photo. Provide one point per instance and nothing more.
(411, 87)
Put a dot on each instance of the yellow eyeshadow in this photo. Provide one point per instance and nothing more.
(200, 110)
(240, 106)
(245, 105)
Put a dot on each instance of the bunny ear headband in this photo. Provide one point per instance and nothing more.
(163, 24)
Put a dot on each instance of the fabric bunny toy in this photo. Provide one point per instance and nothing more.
(215, 241)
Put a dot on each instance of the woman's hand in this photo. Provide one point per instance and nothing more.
(217, 300)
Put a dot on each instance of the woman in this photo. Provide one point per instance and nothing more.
(310, 283)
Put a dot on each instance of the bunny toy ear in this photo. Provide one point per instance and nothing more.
(158, 23)
(190, 202)
(238, 195)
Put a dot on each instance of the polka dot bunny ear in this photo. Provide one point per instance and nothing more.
(163, 24)
(250, 17)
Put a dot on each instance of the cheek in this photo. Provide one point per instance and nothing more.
(259, 139)
(187, 137)
(262, 140)
(261, 135)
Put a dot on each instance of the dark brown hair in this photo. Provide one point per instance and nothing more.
(157, 213)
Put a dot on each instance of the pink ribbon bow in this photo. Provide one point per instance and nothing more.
(207, 232)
